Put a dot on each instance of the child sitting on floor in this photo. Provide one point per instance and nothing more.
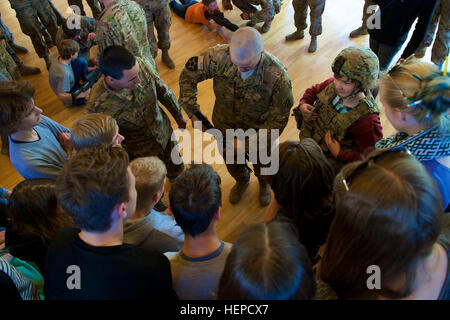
(203, 12)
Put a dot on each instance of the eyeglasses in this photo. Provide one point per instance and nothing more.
(363, 165)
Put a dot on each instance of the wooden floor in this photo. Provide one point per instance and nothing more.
(340, 17)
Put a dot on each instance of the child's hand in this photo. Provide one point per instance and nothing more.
(307, 112)
(2, 239)
(84, 94)
(91, 36)
(245, 16)
(332, 144)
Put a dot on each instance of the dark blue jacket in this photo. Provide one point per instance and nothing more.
(397, 17)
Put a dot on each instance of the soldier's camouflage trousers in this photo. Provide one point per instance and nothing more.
(317, 8)
(266, 15)
(161, 19)
(440, 21)
(30, 25)
(240, 172)
(47, 16)
(8, 66)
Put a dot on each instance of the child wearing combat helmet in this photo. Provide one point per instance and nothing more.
(340, 114)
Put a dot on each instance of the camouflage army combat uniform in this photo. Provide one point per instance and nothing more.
(87, 25)
(440, 20)
(262, 101)
(28, 19)
(158, 15)
(59, 17)
(142, 122)
(12, 48)
(317, 8)
(47, 16)
(359, 64)
(267, 13)
(8, 71)
(6, 34)
(124, 23)
(8, 66)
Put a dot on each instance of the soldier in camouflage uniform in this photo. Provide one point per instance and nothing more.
(28, 19)
(47, 16)
(124, 23)
(7, 38)
(84, 36)
(366, 15)
(158, 15)
(317, 8)
(8, 71)
(253, 91)
(341, 114)
(249, 11)
(133, 100)
(440, 49)
(94, 4)
(59, 17)
(8, 67)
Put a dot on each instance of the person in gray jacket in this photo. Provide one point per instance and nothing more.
(148, 228)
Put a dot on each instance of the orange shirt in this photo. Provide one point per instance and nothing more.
(196, 13)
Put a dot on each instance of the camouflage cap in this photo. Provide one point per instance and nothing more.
(359, 64)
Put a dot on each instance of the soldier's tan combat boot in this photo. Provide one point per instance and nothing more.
(361, 31)
(237, 191)
(27, 71)
(295, 35)
(265, 194)
(313, 45)
(167, 60)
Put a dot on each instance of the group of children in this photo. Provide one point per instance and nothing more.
(331, 210)
(345, 198)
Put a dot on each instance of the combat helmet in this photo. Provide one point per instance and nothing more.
(359, 64)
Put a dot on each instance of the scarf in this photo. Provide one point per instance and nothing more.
(339, 106)
(427, 145)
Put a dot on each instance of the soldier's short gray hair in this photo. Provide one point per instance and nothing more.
(246, 43)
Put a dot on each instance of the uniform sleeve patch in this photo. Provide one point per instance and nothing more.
(195, 63)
